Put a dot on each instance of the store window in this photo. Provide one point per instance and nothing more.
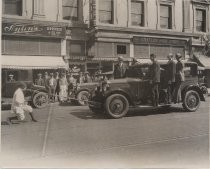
(70, 10)
(75, 48)
(121, 49)
(31, 46)
(12, 7)
(137, 13)
(106, 11)
(165, 16)
(200, 20)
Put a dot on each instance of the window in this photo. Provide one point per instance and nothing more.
(31, 46)
(121, 49)
(200, 20)
(106, 11)
(165, 16)
(70, 10)
(12, 7)
(75, 48)
(137, 13)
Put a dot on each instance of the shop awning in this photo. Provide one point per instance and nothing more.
(203, 60)
(32, 62)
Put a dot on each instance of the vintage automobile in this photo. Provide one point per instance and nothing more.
(36, 95)
(115, 97)
(82, 91)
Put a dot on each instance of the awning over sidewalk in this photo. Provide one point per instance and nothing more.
(203, 60)
(32, 62)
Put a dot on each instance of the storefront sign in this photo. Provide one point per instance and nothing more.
(161, 41)
(34, 30)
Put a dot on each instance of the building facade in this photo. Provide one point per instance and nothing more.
(137, 28)
(37, 36)
(91, 34)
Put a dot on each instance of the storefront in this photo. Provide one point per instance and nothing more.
(161, 47)
(28, 49)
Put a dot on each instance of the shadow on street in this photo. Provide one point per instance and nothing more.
(132, 113)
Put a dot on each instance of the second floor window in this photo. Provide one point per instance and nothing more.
(165, 16)
(12, 7)
(106, 11)
(137, 13)
(70, 10)
(200, 20)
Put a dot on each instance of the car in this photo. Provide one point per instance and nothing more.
(36, 95)
(116, 97)
(82, 91)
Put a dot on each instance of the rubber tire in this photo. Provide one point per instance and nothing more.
(185, 102)
(110, 99)
(35, 96)
(79, 95)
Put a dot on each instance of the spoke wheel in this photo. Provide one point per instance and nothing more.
(82, 98)
(191, 101)
(116, 106)
(40, 100)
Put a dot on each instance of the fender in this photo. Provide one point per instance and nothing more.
(83, 89)
(120, 91)
(195, 88)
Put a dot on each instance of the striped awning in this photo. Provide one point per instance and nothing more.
(32, 62)
(203, 60)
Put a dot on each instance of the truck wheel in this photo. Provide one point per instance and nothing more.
(40, 100)
(191, 101)
(82, 98)
(116, 106)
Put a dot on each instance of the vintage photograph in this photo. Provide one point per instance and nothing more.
(105, 83)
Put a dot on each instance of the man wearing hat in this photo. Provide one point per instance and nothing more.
(120, 69)
(39, 81)
(87, 78)
(11, 78)
(57, 90)
(51, 85)
(45, 79)
(179, 78)
(170, 76)
(154, 73)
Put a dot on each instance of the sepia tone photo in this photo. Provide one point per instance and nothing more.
(105, 83)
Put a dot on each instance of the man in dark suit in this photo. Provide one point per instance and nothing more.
(39, 81)
(171, 72)
(154, 79)
(179, 78)
(120, 69)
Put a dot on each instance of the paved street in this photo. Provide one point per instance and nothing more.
(72, 136)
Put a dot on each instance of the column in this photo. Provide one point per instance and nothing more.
(186, 11)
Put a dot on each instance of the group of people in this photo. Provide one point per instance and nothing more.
(174, 77)
(61, 85)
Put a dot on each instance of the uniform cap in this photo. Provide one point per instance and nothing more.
(120, 58)
(11, 75)
(178, 55)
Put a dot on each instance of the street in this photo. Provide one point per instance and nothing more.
(72, 136)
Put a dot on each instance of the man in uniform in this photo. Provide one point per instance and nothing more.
(11, 78)
(120, 69)
(171, 71)
(154, 79)
(39, 81)
(51, 85)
